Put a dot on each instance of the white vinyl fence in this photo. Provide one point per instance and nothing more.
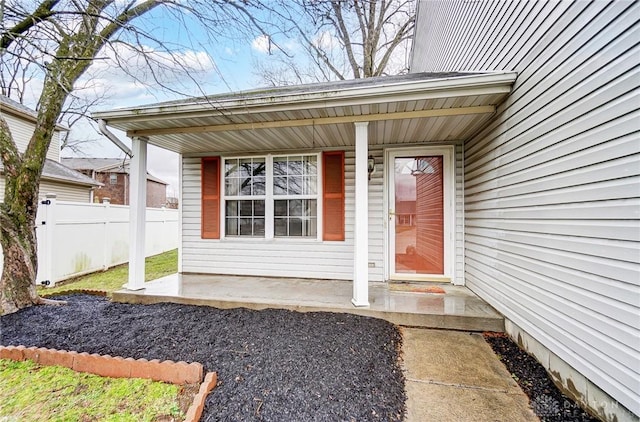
(79, 238)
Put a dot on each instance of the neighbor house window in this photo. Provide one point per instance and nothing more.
(113, 178)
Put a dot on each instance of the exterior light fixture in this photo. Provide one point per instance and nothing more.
(371, 165)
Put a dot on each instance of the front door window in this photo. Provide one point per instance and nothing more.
(417, 217)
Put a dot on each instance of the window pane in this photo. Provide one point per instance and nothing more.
(279, 185)
(280, 227)
(246, 167)
(245, 186)
(311, 165)
(259, 186)
(259, 167)
(231, 187)
(310, 185)
(312, 207)
(281, 207)
(231, 228)
(280, 166)
(246, 208)
(258, 227)
(295, 165)
(295, 207)
(311, 227)
(295, 185)
(258, 208)
(246, 227)
(231, 168)
(295, 227)
(231, 208)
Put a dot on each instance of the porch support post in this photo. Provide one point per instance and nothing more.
(361, 235)
(137, 213)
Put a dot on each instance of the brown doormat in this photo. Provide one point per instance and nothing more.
(416, 288)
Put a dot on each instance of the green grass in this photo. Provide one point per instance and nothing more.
(111, 280)
(29, 392)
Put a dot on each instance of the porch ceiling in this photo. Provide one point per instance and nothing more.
(415, 108)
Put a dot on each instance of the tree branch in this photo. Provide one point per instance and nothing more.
(42, 12)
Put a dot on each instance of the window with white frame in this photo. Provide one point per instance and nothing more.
(295, 194)
(244, 187)
(274, 196)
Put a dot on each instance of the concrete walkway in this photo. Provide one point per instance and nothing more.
(455, 376)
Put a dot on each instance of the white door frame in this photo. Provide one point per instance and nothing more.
(449, 190)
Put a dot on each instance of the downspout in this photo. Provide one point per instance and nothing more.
(102, 125)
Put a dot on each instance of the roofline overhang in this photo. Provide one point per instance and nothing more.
(9, 109)
(67, 181)
(71, 182)
(473, 84)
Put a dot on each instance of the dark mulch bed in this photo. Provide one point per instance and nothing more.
(272, 365)
(546, 400)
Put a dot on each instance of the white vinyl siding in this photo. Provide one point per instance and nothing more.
(21, 132)
(278, 257)
(65, 191)
(552, 184)
(299, 257)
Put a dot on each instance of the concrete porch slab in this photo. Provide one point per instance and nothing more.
(455, 308)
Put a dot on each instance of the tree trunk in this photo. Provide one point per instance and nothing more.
(17, 284)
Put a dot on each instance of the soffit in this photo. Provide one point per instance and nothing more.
(426, 114)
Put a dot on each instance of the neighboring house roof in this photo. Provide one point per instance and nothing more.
(20, 110)
(412, 108)
(104, 165)
(53, 170)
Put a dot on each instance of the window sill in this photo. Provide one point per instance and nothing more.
(272, 240)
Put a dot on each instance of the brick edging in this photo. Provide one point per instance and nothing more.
(118, 367)
(91, 292)
(108, 366)
(195, 410)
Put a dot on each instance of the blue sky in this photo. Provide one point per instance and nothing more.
(226, 64)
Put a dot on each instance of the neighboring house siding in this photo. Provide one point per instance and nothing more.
(552, 184)
(21, 132)
(65, 191)
(118, 192)
(156, 194)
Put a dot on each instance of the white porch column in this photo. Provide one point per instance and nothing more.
(361, 235)
(137, 213)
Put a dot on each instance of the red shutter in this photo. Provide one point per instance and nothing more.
(210, 172)
(333, 195)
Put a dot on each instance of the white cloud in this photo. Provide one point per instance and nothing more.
(262, 44)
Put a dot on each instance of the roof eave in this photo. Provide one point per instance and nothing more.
(396, 91)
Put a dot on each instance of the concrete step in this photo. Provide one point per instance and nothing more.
(425, 305)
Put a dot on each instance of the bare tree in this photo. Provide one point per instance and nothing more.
(338, 39)
(64, 39)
